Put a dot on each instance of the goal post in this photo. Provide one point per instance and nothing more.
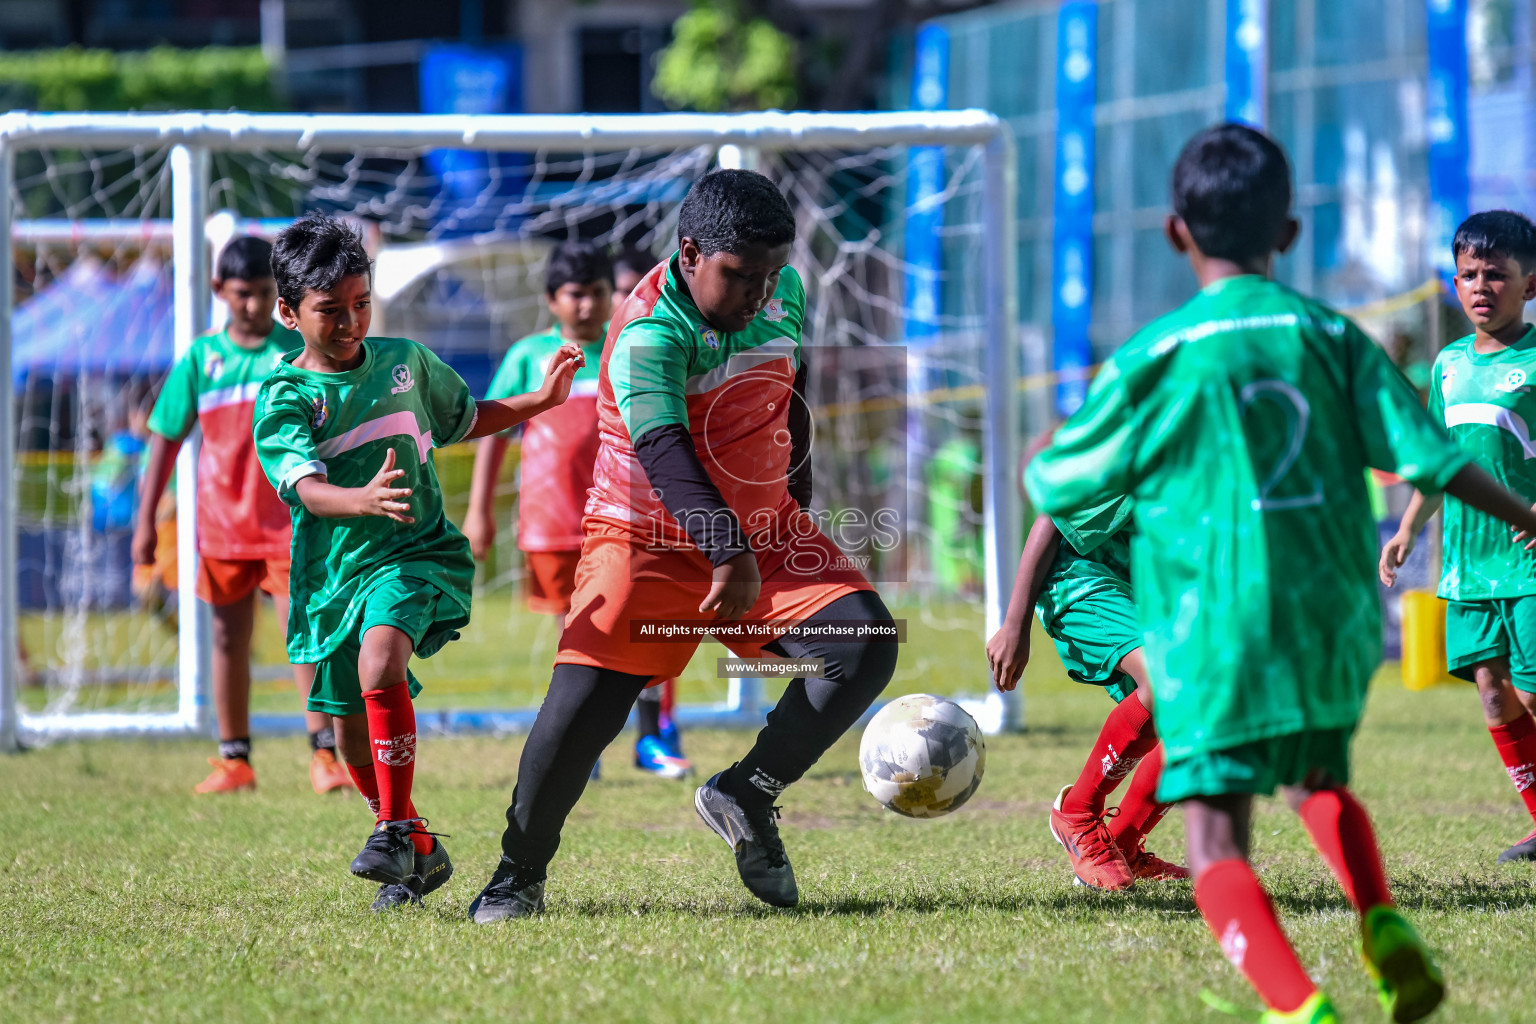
(191, 142)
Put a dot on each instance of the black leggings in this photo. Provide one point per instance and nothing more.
(586, 708)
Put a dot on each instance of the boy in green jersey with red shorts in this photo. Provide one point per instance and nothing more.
(1241, 425)
(1076, 574)
(345, 429)
(1481, 389)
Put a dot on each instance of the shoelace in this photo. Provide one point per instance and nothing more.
(764, 822)
(506, 886)
(1107, 848)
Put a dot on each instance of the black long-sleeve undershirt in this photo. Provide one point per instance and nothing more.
(671, 463)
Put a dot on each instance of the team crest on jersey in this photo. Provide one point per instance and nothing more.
(774, 311)
(1513, 381)
(322, 412)
(403, 379)
(710, 335)
(213, 366)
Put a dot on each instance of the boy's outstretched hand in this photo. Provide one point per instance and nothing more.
(380, 499)
(562, 370)
(1007, 654)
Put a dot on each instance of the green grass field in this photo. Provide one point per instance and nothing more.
(129, 899)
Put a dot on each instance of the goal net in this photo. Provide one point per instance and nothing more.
(905, 243)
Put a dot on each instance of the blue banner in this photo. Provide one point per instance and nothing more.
(925, 186)
(1072, 258)
(1247, 61)
(1446, 126)
(460, 79)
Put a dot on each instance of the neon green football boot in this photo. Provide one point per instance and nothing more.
(1408, 983)
(1316, 1010)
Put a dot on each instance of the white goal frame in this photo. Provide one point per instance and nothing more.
(194, 136)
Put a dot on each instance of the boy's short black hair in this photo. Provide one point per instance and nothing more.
(1494, 233)
(1232, 189)
(245, 259)
(313, 254)
(634, 259)
(728, 209)
(576, 263)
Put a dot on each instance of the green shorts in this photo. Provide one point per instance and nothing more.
(1500, 627)
(1093, 634)
(415, 607)
(1258, 767)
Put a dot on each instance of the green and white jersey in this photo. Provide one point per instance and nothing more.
(1094, 555)
(1241, 425)
(1485, 400)
(401, 397)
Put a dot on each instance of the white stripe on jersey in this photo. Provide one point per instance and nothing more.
(233, 395)
(1487, 414)
(741, 363)
(396, 423)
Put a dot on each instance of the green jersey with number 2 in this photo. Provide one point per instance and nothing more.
(1241, 425)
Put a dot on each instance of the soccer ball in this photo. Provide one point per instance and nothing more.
(922, 756)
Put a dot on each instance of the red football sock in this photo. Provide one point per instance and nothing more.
(1126, 738)
(1243, 920)
(1517, 746)
(367, 783)
(1342, 833)
(1139, 811)
(392, 734)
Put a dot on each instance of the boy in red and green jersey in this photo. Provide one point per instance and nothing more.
(242, 526)
(698, 511)
(1241, 425)
(559, 450)
(1481, 389)
(345, 428)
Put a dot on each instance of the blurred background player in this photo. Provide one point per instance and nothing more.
(1481, 390)
(243, 529)
(344, 428)
(630, 264)
(699, 511)
(559, 451)
(1241, 425)
(1076, 572)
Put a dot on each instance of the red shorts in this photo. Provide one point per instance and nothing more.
(551, 581)
(222, 581)
(618, 580)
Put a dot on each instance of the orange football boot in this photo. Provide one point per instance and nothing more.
(1096, 861)
(326, 773)
(1149, 867)
(229, 775)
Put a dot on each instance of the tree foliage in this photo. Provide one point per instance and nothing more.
(164, 78)
(721, 59)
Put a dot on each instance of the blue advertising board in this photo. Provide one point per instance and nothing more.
(1446, 127)
(462, 79)
(1072, 234)
(925, 187)
(1247, 61)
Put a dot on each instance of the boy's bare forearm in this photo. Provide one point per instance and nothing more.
(493, 415)
(482, 482)
(326, 500)
(159, 465)
(1474, 486)
(1420, 511)
(1039, 551)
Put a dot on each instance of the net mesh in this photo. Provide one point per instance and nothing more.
(460, 240)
